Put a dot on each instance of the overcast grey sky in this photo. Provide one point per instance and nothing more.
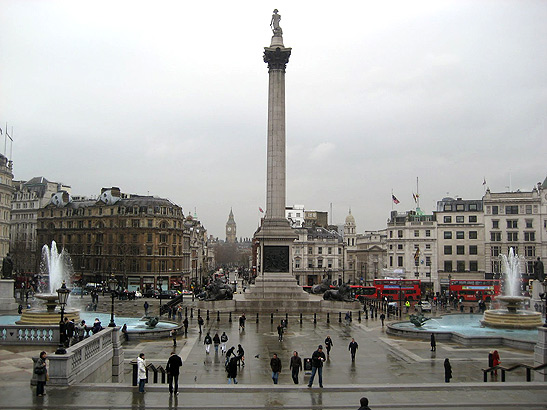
(170, 98)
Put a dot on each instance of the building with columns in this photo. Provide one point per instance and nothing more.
(6, 194)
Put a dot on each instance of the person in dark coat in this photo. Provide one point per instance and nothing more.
(353, 346)
(229, 353)
(240, 355)
(329, 344)
(433, 343)
(364, 404)
(223, 340)
(40, 369)
(185, 324)
(295, 366)
(280, 331)
(200, 323)
(242, 320)
(382, 318)
(275, 364)
(207, 342)
(97, 327)
(231, 368)
(173, 370)
(216, 342)
(447, 371)
(69, 332)
(317, 359)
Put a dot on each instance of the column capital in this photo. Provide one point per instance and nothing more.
(277, 58)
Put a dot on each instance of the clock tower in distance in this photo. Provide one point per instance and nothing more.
(231, 228)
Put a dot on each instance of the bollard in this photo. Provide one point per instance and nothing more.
(207, 314)
(484, 376)
(350, 316)
(286, 319)
(359, 318)
(257, 318)
(186, 311)
(528, 374)
(502, 375)
(314, 318)
(366, 314)
(271, 317)
(230, 319)
(300, 318)
(339, 317)
(135, 372)
(218, 316)
(328, 317)
(376, 313)
(199, 312)
(191, 313)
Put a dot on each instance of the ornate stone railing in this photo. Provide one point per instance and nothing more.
(29, 334)
(99, 359)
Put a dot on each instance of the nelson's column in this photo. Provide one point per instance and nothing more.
(275, 281)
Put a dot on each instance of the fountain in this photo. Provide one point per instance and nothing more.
(512, 316)
(58, 266)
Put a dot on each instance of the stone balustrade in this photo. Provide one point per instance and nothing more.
(39, 335)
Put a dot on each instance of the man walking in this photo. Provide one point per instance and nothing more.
(275, 364)
(174, 336)
(382, 318)
(207, 342)
(223, 340)
(200, 323)
(242, 320)
(353, 346)
(146, 306)
(185, 324)
(433, 343)
(173, 369)
(317, 359)
(280, 330)
(295, 366)
(329, 344)
(216, 342)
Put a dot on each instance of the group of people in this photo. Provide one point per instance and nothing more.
(72, 333)
(217, 341)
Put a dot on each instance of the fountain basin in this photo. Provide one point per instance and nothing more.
(518, 319)
(46, 317)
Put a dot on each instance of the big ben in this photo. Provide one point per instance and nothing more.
(231, 229)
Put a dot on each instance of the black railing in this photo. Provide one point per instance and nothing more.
(150, 367)
(171, 303)
(504, 369)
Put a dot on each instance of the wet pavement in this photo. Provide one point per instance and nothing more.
(392, 372)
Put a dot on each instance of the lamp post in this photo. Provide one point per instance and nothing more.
(160, 282)
(112, 284)
(62, 294)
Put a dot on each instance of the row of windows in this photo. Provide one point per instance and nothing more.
(473, 266)
(461, 235)
(513, 223)
(416, 246)
(460, 219)
(329, 250)
(122, 210)
(529, 251)
(131, 266)
(416, 233)
(461, 207)
(513, 236)
(460, 250)
(24, 205)
(124, 250)
(511, 209)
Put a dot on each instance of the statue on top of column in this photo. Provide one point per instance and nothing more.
(274, 24)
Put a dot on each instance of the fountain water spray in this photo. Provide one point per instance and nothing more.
(511, 265)
(57, 265)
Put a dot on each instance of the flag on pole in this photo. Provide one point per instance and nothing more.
(0, 131)
(484, 181)
(260, 209)
(415, 197)
(417, 254)
(395, 200)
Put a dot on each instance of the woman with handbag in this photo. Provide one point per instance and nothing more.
(40, 370)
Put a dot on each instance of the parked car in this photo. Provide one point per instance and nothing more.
(78, 291)
(424, 306)
(166, 294)
(150, 293)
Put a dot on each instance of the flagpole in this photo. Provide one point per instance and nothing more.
(417, 192)
(5, 140)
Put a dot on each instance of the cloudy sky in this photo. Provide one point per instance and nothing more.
(169, 98)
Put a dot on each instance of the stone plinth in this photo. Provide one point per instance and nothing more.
(540, 354)
(7, 301)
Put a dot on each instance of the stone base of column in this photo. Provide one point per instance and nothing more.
(7, 301)
(540, 354)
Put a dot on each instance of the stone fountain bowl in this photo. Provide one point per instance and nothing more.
(50, 298)
(48, 316)
(512, 317)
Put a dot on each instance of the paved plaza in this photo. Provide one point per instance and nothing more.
(393, 373)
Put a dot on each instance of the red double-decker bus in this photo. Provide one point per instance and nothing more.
(363, 292)
(475, 290)
(396, 289)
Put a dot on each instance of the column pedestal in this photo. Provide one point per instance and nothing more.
(7, 301)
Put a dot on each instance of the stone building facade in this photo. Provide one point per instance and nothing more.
(6, 194)
(139, 239)
(231, 229)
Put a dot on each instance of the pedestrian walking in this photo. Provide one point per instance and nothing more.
(241, 355)
(280, 330)
(329, 344)
(447, 371)
(216, 342)
(200, 323)
(173, 369)
(231, 368)
(174, 336)
(40, 370)
(348, 318)
(242, 320)
(185, 324)
(317, 359)
(364, 404)
(353, 346)
(275, 365)
(141, 372)
(179, 312)
(69, 332)
(496, 361)
(433, 343)
(229, 354)
(223, 340)
(124, 332)
(146, 307)
(207, 342)
(295, 366)
(382, 318)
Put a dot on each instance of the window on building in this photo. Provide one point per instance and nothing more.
(427, 233)
(460, 207)
(512, 224)
(496, 224)
(320, 263)
(448, 266)
(399, 234)
(297, 263)
(310, 250)
(473, 207)
(529, 223)
(473, 250)
(530, 251)
(495, 210)
(329, 263)
(400, 261)
(473, 266)
(391, 234)
(447, 207)
(528, 209)
(460, 266)
(149, 250)
(339, 251)
(472, 218)
(460, 250)
(495, 251)
(329, 250)
(460, 235)
(495, 236)
(416, 233)
(512, 236)
(149, 266)
(473, 235)
(150, 223)
(163, 237)
(448, 250)
(391, 247)
(447, 235)
(447, 219)
(428, 261)
(400, 246)
(427, 246)
(529, 236)
(495, 265)
(320, 250)
(515, 249)
(460, 219)
(135, 223)
(511, 210)
(391, 261)
(149, 237)
(310, 264)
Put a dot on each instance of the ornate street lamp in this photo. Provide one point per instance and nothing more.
(62, 294)
(112, 285)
